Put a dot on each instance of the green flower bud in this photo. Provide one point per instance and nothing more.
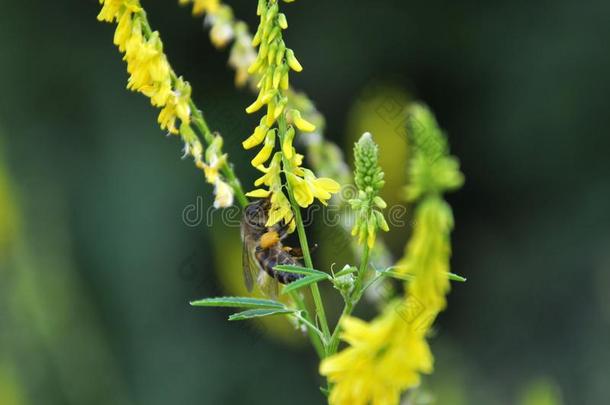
(369, 180)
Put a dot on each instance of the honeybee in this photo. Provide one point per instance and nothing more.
(263, 249)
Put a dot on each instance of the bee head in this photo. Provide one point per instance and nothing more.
(255, 214)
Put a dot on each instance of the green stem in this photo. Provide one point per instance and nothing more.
(227, 169)
(352, 301)
(315, 291)
(318, 343)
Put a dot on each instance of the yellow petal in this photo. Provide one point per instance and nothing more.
(258, 193)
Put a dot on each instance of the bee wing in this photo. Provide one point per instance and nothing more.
(269, 285)
(246, 258)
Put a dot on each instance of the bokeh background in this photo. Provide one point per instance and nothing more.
(97, 266)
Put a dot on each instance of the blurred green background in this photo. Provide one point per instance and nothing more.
(97, 266)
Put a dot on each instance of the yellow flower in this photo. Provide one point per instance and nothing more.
(223, 194)
(384, 358)
(202, 6)
(110, 10)
(242, 54)
(176, 106)
(280, 209)
(309, 187)
(148, 67)
(222, 31)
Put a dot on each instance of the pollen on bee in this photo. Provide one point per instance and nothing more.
(269, 239)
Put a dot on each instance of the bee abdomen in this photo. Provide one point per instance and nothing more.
(269, 259)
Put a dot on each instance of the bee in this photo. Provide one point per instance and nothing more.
(263, 249)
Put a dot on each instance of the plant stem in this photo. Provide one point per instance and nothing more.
(315, 291)
(227, 169)
(353, 300)
(318, 343)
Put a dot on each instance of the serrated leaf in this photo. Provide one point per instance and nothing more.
(237, 302)
(287, 268)
(258, 313)
(295, 285)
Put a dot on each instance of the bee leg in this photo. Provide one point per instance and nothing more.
(283, 228)
(297, 253)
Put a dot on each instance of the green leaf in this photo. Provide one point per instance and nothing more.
(397, 275)
(346, 271)
(258, 313)
(237, 302)
(457, 277)
(287, 268)
(408, 277)
(295, 285)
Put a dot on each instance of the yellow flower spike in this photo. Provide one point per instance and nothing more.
(384, 358)
(256, 138)
(258, 193)
(292, 61)
(301, 122)
(287, 147)
(265, 153)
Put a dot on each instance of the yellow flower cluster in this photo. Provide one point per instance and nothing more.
(427, 255)
(272, 66)
(384, 358)
(151, 74)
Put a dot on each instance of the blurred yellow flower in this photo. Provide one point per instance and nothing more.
(385, 357)
(428, 252)
(202, 6)
(223, 194)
